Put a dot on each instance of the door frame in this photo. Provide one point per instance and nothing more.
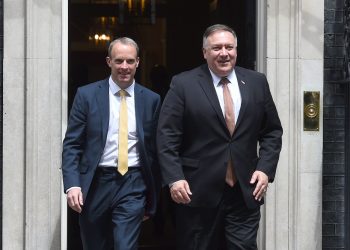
(64, 94)
(261, 43)
(260, 65)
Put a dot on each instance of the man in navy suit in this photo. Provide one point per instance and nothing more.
(219, 140)
(112, 202)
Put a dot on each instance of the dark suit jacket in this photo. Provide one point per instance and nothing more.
(195, 144)
(87, 131)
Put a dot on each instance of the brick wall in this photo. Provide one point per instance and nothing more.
(335, 106)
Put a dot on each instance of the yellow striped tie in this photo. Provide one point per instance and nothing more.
(123, 134)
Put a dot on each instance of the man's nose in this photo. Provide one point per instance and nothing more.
(223, 51)
(124, 64)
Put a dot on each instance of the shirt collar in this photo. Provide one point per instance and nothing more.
(216, 79)
(114, 87)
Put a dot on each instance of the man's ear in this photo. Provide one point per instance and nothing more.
(204, 51)
(108, 61)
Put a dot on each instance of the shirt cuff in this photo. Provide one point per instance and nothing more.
(69, 189)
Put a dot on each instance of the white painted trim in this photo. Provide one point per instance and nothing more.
(64, 113)
(261, 35)
(260, 65)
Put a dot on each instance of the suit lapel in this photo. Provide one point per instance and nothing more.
(206, 83)
(244, 90)
(102, 96)
(139, 100)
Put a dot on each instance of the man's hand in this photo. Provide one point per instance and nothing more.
(180, 192)
(261, 185)
(75, 199)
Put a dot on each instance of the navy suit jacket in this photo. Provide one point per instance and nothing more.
(195, 144)
(87, 132)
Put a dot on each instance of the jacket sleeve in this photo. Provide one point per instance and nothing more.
(270, 136)
(73, 143)
(169, 134)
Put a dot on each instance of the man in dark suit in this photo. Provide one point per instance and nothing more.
(109, 164)
(219, 139)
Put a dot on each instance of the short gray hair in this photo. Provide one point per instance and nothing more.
(123, 40)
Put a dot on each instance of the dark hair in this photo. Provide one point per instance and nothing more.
(123, 40)
(217, 27)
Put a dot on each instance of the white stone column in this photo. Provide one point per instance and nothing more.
(32, 124)
(293, 210)
(13, 126)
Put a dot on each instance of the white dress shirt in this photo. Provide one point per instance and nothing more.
(110, 154)
(234, 91)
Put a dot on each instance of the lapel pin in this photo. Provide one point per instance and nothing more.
(242, 82)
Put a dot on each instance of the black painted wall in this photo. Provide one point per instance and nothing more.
(335, 114)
